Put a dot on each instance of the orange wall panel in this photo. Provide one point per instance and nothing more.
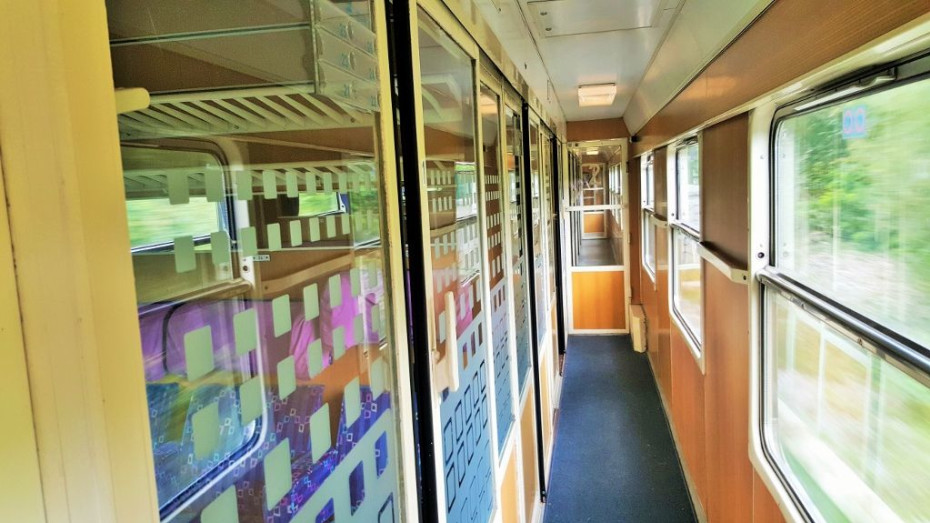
(598, 300)
(764, 508)
(808, 35)
(510, 511)
(528, 444)
(606, 129)
(594, 223)
(688, 411)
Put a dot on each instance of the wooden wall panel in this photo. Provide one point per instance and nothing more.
(725, 188)
(635, 223)
(598, 300)
(509, 492)
(726, 400)
(764, 508)
(607, 129)
(688, 411)
(545, 399)
(528, 446)
(661, 321)
(791, 38)
(594, 223)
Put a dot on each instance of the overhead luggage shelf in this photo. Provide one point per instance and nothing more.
(240, 111)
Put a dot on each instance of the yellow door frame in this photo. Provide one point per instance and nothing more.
(63, 180)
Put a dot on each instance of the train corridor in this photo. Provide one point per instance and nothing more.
(614, 458)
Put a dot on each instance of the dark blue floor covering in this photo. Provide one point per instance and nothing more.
(614, 457)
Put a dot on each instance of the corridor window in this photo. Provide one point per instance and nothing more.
(688, 185)
(687, 295)
(648, 183)
(847, 304)
(649, 245)
(649, 226)
(686, 284)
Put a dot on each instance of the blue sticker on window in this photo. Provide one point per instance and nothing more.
(855, 123)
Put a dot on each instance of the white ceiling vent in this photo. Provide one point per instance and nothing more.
(570, 17)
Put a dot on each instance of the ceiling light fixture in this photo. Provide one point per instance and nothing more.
(595, 95)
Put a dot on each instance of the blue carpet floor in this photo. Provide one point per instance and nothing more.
(614, 458)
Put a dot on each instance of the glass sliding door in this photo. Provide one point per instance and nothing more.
(538, 223)
(494, 197)
(461, 370)
(256, 196)
(515, 159)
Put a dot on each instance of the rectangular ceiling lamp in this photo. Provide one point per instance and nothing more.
(596, 95)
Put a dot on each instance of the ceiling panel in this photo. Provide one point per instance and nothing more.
(569, 17)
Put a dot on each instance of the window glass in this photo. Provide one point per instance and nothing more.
(851, 213)
(688, 172)
(850, 428)
(686, 263)
(255, 200)
(649, 195)
(649, 245)
(316, 204)
(498, 282)
(537, 208)
(517, 208)
(450, 139)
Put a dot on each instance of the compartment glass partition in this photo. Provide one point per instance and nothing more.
(449, 108)
(500, 286)
(255, 193)
(516, 209)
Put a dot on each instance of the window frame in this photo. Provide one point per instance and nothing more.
(694, 339)
(872, 336)
(648, 224)
(647, 200)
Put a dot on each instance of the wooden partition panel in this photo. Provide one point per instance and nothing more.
(510, 492)
(606, 129)
(726, 400)
(688, 411)
(528, 444)
(791, 38)
(764, 508)
(594, 223)
(598, 300)
(725, 188)
(725, 195)
(660, 320)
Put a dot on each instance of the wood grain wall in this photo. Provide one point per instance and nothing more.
(598, 300)
(790, 39)
(607, 129)
(709, 412)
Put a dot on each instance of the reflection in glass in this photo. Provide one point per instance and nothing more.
(254, 196)
(648, 182)
(850, 428)
(449, 112)
(688, 172)
(686, 275)
(514, 172)
(649, 245)
(496, 219)
(852, 190)
(538, 223)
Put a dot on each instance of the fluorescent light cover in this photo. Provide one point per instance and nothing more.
(594, 95)
(591, 152)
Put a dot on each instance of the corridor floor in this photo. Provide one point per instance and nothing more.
(614, 458)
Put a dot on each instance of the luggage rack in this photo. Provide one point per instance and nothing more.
(240, 111)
